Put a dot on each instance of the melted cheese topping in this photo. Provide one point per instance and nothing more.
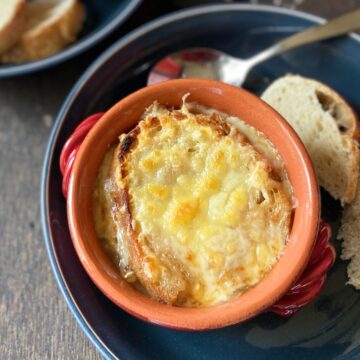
(207, 201)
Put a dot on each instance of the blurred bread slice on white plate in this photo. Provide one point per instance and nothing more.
(12, 22)
(350, 233)
(50, 26)
(328, 127)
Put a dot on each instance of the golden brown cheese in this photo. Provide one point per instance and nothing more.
(208, 201)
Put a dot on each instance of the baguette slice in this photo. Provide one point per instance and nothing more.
(12, 23)
(350, 233)
(50, 26)
(327, 126)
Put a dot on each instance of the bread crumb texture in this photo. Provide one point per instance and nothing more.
(350, 234)
(327, 126)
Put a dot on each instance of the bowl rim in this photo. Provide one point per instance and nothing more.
(232, 311)
(75, 49)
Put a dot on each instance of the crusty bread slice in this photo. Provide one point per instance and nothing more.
(12, 23)
(327, 126)
(50, 26)
(350, 233)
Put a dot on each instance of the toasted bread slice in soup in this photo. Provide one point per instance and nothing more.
(50, 26)
(179, 202)
(12, 23)
(327, 126)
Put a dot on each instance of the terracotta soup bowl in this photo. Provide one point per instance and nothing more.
(122, 117)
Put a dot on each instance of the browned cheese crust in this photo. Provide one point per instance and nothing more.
(172, 283)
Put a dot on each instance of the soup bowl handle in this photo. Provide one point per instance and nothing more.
(72, 146)
(305, 289)
(312, 280)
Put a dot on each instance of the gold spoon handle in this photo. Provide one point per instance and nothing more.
(338, 26)
(335, 27)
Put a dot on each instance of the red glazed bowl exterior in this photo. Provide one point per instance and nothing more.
(237, 102)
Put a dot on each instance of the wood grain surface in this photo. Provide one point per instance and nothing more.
(35, 322)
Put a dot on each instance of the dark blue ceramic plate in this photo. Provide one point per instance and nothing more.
(99, 22)
(329, 328)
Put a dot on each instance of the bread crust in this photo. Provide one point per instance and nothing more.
(354, 130)
(49, 38)
(10, 33)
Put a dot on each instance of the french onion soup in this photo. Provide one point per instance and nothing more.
(193, 205)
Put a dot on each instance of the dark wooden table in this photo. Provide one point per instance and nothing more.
(35, 322)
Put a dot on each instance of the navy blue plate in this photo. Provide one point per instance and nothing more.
(325, 329)
(99, 22)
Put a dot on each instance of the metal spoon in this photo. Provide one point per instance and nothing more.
(213, 64)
